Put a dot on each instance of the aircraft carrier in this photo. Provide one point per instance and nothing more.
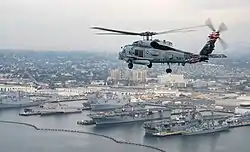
(130, 114)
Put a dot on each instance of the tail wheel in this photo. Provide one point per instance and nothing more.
(130, 66)
(169, 70)
(150, 65)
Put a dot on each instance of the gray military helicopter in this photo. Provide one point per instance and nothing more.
(149, 51)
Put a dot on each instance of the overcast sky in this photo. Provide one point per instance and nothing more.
(64, 24)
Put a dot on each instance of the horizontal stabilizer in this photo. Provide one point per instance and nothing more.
(217, 56)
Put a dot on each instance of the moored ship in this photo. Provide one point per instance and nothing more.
(16, 100)
(173, 126)
(50, 109)
(208, 126)
(239, 120)
(205, 129)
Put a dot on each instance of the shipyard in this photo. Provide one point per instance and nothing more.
(160, 108)
(160, 112)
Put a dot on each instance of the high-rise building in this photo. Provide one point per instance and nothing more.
(129, 75)
(138, 75)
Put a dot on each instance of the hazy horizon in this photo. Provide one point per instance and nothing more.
(65, 25)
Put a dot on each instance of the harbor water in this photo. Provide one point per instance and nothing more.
(19, 138)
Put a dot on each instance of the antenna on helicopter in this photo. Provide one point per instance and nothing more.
(146, 35)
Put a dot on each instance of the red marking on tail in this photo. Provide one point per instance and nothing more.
(214, 36)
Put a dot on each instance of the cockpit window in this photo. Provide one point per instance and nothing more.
(136, 43)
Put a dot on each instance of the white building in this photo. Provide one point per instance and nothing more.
(98, 82)
(243, 108)
(77, 91)
(172, 80)
(200, 84)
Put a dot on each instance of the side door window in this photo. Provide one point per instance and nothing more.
(141, 53)
(136, 52)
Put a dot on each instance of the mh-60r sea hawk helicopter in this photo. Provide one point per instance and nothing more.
(149, 51)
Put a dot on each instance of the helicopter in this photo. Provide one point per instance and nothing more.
(149, 51)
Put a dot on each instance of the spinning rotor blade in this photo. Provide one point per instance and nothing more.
(185, 29)
(117, 31)
(210, 25)
(223, 43)
(222, 27)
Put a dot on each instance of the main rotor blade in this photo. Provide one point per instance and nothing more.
(179, 30)
(223, 43)
(222, 27)
(184, 31)
(209, 24)
(110, 34)
(117, 31)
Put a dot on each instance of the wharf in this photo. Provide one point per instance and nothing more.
(68, 100)
(241, 124)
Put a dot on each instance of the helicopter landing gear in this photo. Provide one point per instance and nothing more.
(183, 64)
(169, 70)
(150, 65)
(130, 65)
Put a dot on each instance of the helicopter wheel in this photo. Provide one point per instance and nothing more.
(130, 65)
(169, 70)
(150, 65)
(183, 64)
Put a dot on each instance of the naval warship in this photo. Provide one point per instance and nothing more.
(173, 126)
(206, 128)
(50, 109)
(130, 114)
(16, 100)
(239, 120)
(178, 124)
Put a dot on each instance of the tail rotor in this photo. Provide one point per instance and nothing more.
(222, 28)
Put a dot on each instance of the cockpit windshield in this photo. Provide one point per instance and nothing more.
(136, 43)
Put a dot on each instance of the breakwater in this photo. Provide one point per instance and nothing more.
(82, 132)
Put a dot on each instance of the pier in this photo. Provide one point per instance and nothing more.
(82, 132)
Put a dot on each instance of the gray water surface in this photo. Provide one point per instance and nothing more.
(18, 138)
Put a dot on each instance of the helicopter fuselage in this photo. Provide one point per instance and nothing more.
(143, 52)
